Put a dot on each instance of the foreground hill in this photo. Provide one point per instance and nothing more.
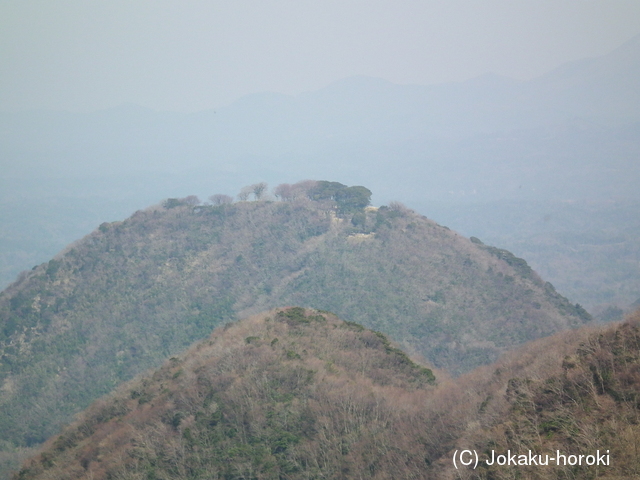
(298, 393)
(292, 394)
(135, 292)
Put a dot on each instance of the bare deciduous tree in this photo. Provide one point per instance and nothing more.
(284, 192)
(243, 196)
(220, 199)
(192, 200)
(289, 193)
(259, 189)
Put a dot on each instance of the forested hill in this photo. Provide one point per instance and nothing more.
(134, 292)
(290, 394)
(576, 392)
(297, 393)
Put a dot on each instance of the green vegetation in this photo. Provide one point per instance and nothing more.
(349, 200)
(136, 292)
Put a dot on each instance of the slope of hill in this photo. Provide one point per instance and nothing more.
(135, 292)
(299, 394)
(588, 250)
(291, 394)
(576, 394)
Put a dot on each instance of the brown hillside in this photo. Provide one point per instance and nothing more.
(292, 394)
(577, 393)
(299, 394)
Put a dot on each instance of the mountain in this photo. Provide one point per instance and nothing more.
(134, 292)
(490, 142)
(291, 394)
(297, 393)
(595, 88)
(362, 113)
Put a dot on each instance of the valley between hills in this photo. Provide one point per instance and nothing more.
(401, 372)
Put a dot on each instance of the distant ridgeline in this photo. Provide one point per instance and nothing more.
(135, 292)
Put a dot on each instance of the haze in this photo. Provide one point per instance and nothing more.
(517, 122)
(514, 123)
(189, 56)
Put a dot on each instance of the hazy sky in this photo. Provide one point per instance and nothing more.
(191, 55)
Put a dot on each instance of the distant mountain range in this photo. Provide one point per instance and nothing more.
(364, 126)
(568, 134)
